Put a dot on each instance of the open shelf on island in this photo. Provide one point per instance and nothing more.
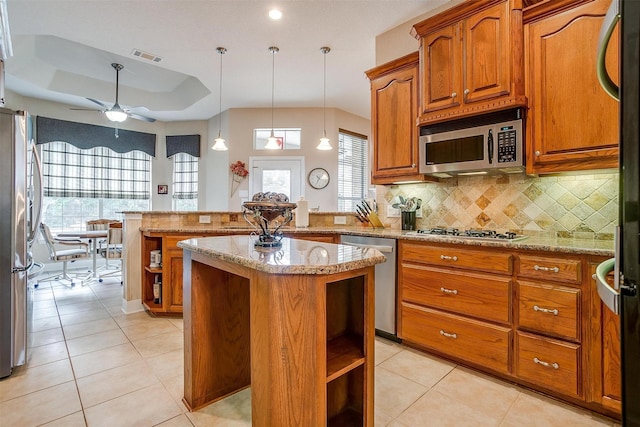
(344, 353)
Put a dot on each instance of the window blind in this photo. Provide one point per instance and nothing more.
(98, 173)
(185, 176)
(352, 169)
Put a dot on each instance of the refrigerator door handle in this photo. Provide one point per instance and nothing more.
(38, 218)
(609, 296)
(608, 25)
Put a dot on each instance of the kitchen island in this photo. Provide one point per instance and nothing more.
(293, 323)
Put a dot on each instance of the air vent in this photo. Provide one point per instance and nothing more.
(145, 55)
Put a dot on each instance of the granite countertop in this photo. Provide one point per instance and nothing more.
(294, 257)
(551, 244)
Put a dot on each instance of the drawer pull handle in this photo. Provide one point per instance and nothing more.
(447, 257)
(546, 310)
(449, 291)
(448, 335)
(546, 364)
(539, 268)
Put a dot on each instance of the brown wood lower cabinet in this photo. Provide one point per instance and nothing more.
(532, 317)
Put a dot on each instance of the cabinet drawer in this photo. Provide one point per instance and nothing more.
(477, 342)
(567, 270)
(479, 295)
(553, 310)
(549, 363)
(452, 256)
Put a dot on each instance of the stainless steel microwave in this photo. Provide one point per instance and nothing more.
(488, 144)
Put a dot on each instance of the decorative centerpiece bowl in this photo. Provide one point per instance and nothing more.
(268, 213)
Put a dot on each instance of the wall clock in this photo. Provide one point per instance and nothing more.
(318, 178)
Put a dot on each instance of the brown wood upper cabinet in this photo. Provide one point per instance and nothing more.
(572, 123)
(394, 109)
(471, 60)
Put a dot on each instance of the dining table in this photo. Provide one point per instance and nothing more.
(92, 236)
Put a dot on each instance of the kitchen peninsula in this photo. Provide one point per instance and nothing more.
(294, 323)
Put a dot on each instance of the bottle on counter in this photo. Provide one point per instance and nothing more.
(302, 213)
(157, 290)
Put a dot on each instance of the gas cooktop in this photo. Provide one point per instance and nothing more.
(474, 234)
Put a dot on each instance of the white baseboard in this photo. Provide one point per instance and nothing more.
(132, 306)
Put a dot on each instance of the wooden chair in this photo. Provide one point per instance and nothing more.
(112, 249)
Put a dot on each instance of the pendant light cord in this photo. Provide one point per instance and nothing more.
(324, 94)
(273, 79)
(221, 51)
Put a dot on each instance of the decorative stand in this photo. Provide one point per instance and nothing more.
(268, 217)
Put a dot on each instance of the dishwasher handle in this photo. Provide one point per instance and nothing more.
(381, 248)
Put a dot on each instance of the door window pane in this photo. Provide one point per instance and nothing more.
(277, 181)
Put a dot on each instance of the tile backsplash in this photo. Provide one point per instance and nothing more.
(579, 206)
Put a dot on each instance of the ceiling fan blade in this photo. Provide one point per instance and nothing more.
(98, 102)
(140, 117)
(86, 109)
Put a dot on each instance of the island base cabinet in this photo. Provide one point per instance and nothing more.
(480, 343)
(303, 343)
(548, 362)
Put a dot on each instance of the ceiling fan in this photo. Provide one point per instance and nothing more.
(116, 113)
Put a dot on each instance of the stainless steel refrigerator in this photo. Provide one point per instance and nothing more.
(19, 220)
(624, 298)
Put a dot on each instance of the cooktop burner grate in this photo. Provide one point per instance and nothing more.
(476, 234)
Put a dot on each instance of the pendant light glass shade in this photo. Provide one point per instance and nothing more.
(272, 141)
(219, 144)
(325, 143)
(116, 114)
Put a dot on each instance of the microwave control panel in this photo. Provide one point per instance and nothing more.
(507, 145)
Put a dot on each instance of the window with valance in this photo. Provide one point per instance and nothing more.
(185, 151)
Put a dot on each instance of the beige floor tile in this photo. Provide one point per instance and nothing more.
(73, 298)
(178, 323)
(48, 336)
(44, 323)
(80, 307)
(419, 367)
(116, 382)
(46, 353)
(145, 407)
(532, 410)
(380, 418)
(444, 411)
(88, 328)
(45, 312)
(160, 344)
(97, 361)
(394, 393)
(26, 380)
(85, 316)
(95, 342)
(385, 349)
(167, 365)
(42, 406)
(74, 420)
(44, 304)
(114, 301)
(42, 294)
(144, 330)
(480, 392)
(175, 387)
(133, 319)
(114, 310)
(179, 421)
(234, 411)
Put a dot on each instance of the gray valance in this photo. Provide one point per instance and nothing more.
(85, 136)
(189, 144)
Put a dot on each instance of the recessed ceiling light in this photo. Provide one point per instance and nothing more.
(275, 14)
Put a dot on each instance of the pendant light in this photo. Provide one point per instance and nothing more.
(324, 141)
(272, 141)
(219, 144)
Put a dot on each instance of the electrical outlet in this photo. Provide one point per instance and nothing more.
(204, 219)
(341, 220)
(392, 212)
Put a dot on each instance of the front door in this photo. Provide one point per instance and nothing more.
(277, 174)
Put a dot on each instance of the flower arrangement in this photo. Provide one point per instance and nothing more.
(238, 173)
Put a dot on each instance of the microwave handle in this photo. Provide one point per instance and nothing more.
(490, 146)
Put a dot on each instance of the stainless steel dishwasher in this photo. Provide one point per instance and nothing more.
(385, 281)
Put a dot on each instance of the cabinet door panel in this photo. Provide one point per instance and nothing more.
(487, 53)
(395, 124)
(575, 123)
(441, 62)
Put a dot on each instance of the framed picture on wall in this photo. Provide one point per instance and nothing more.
(163, 189)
